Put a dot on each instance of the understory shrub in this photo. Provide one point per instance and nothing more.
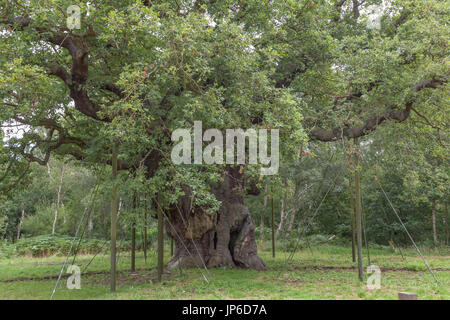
(47, 245)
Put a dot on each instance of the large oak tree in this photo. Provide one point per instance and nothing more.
(137, 70)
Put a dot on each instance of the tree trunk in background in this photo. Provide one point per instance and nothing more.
(293, 211)
(19, 227)
(261, 224)
(355, 8)
(433, 218)
(91, 221)
(291, 223)
(283, 216)
(120, 207)
(224, 238)
(58, 201)
(64, 213)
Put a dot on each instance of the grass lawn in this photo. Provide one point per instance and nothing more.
(325, 272)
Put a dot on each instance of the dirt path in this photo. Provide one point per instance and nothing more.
(54, 277)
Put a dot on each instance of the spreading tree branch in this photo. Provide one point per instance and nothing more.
(78, 50)
(391, 113)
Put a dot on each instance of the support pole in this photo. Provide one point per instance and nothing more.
(114, 207)
(447, 234)
(133, 247)
(352, 218)
(160, 242)
(351, 199)
(261, 222)
(364, 223)
(358, 213)
(133, 236)
(145, 229)
(273, 228)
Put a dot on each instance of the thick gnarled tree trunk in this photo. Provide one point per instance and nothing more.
(225, 238)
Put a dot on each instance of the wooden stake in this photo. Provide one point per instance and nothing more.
(114, 208)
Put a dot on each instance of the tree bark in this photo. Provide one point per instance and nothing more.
(355, 9)
(291, 223)
(224, 238)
